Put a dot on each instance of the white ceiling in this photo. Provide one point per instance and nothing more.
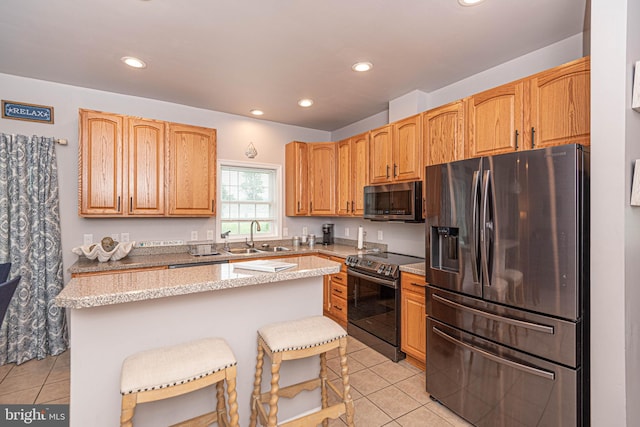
(235, 55)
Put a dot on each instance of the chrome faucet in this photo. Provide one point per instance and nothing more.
(225, 236)
(251, 244)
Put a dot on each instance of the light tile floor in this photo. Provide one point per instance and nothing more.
(385, 393)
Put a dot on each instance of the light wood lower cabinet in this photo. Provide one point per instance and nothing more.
(413, 325)
(335, 293)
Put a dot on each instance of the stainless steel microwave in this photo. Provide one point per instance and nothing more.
(394, 202)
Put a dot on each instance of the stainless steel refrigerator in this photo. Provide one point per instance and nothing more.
(507, 254)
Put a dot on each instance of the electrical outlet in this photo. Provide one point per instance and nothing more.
(115, 237)
(380, 235)
(194, 235)
(87, 239)
(124, 237)
(346, 232)
(305, 231)
(285, 231)
(210, 235)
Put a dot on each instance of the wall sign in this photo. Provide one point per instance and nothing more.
(30, 112)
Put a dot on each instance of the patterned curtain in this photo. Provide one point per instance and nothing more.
(34, 327)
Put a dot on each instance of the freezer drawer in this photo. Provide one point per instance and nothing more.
(492, 385)
(546, 337)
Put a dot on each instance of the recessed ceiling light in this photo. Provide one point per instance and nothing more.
(306, 102)
(133, 62)
(362, 66)
(469, 2)
(256, 112)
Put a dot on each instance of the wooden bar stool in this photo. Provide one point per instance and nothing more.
(299, 339)
(172, 371)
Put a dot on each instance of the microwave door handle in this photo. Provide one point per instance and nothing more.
(474, 235)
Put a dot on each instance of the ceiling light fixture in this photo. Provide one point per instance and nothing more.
(305, 102)
(362, 66)
(133, 62)
(469, 2)
(256, 112)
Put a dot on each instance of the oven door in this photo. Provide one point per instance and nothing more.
(373, 312)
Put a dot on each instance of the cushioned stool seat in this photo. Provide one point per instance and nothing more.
(171, 371)
(299, 339)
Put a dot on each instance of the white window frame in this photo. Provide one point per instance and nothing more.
(278, 192)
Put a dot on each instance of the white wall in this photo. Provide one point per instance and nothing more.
(233, 132)
(615, 225)
(632, 229)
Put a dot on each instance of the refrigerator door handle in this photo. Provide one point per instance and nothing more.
(503, 319)
(486, 233)
(551, 376)
(474, 235)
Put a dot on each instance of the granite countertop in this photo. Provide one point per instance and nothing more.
(107, 289)
(418, 268)
(146, 259)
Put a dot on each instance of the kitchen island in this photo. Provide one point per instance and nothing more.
(114, 315)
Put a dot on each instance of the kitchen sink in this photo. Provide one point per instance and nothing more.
(244, 251)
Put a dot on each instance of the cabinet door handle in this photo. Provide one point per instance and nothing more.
(352, 207)
(395, 168)
(311, 206)
(213, 205)
(422, 285)
(298, 206)
(347, 207)
(130, 204)
(533, 137)
(517, 133)
(387, 171)
(118, 204)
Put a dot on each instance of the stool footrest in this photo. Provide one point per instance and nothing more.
(316, 418)
(199, 421)
(293, 390)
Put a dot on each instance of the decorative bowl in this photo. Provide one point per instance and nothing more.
(120, 251)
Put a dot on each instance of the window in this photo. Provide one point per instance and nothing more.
(249, 193)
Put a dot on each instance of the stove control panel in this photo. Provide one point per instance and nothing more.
(372, 266)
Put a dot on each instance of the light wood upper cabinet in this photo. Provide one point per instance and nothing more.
(344, 197)
(380, 155)
(192, 170)
(395, 152)
(407, 149)
(100, 164)
(559, 111)
(353, 174)
(443, 134)
(413, 324)
(296, 179)
(146, 167)
(495, 122)
(131, 166)
(322, 178)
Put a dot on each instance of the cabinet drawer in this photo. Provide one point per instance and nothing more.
(338, 289)
(340, 279)
(339, 308)
(413, 283)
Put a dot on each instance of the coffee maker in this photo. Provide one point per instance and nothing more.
(327, 234)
